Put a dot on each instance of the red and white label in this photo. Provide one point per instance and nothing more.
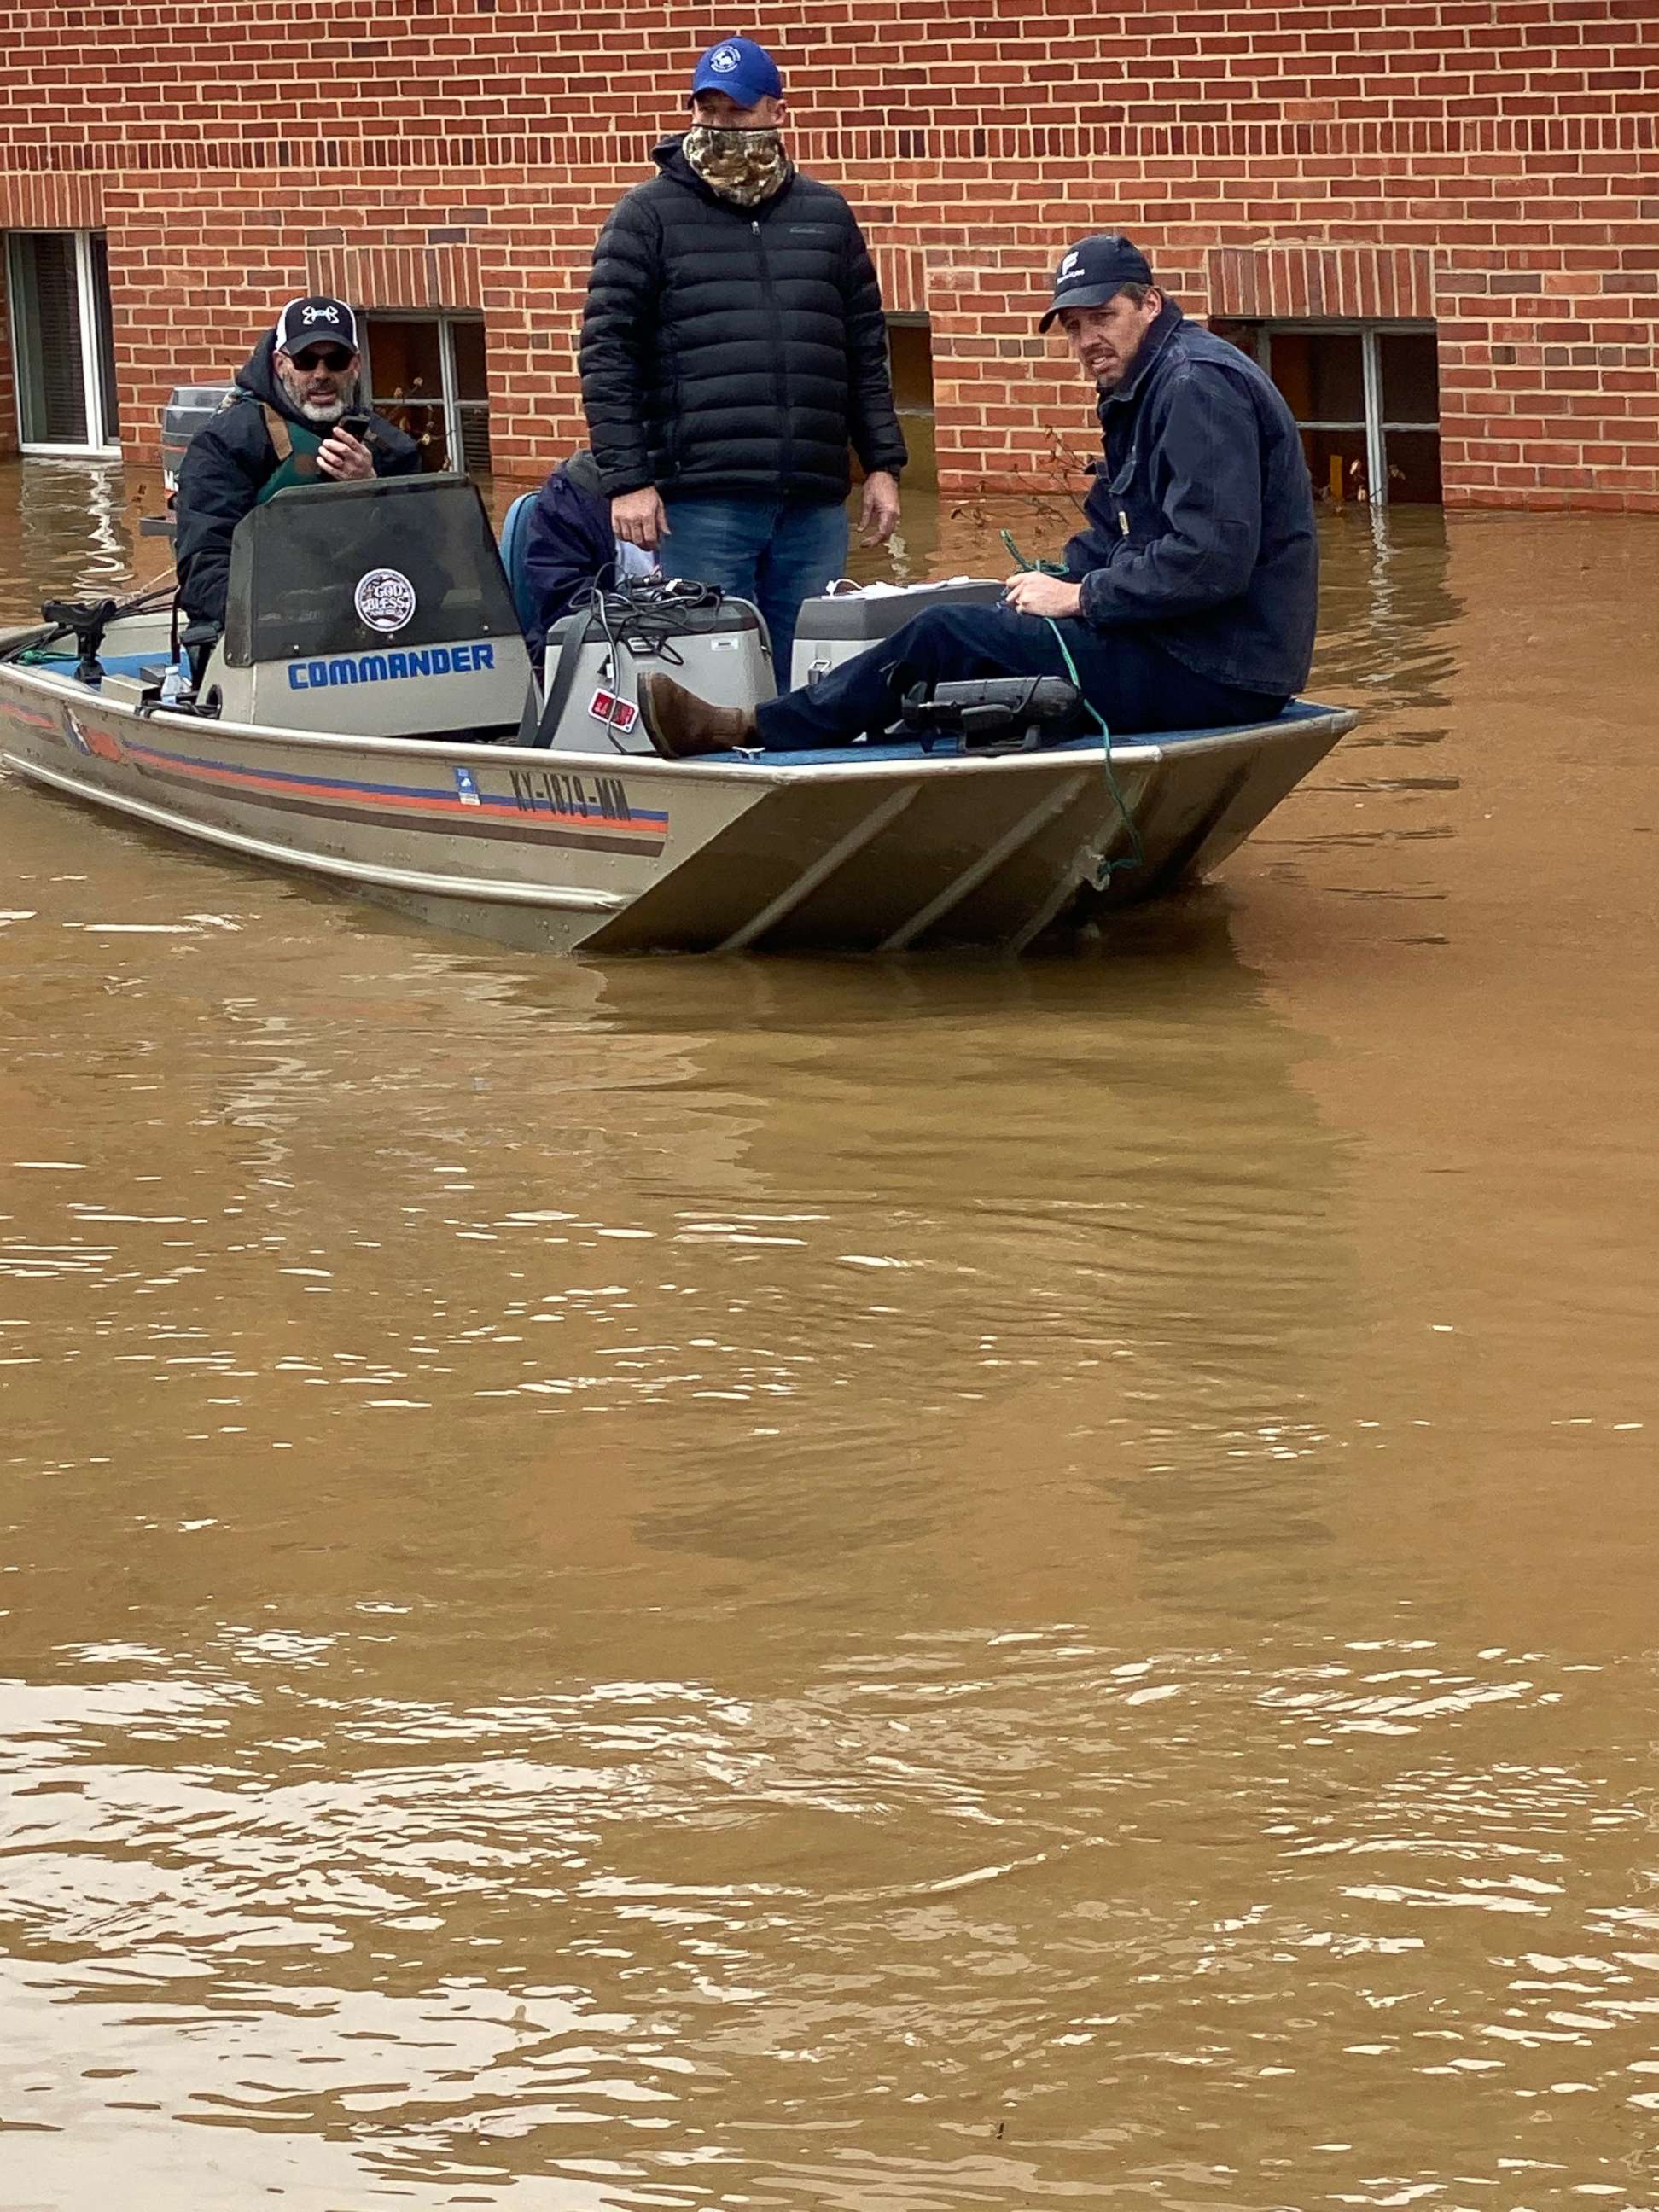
(617, 714)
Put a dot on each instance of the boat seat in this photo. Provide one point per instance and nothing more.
(515, 538)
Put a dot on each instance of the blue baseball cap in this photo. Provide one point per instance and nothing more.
(742, 71)
(1095, 270)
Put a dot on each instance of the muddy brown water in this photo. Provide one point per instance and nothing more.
(884, 1588)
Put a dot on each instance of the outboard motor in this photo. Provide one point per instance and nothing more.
(378, 608)
(189, 408)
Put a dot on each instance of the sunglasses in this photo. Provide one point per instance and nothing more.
(330, 357)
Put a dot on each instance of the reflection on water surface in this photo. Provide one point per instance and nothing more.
(909, 1586)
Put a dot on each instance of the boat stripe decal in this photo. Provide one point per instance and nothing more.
(36, 720)
(640, 826)
(465, 822)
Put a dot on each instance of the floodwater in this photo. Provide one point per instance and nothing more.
(856, 1588)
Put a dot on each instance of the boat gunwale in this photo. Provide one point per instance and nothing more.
(1127, 753)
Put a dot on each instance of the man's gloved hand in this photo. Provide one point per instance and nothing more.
(638, 519)
(879, 518)
(1031, 593)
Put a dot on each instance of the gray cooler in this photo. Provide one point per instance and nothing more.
(832, 630)
(593, 703)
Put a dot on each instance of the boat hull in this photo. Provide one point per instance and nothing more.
(882, 850)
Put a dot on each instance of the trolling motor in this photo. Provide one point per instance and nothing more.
(1011, 714)
(88, 620)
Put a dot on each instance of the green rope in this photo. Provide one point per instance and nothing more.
(1036, 567)
(1135, 857)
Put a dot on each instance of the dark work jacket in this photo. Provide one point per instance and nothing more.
(1201, 522)
(729, 351)
(227, 465)
(568, 543)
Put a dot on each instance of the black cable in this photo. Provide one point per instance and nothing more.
(644, 615)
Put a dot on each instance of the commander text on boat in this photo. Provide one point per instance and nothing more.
(1187, 600)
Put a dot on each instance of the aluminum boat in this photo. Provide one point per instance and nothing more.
(370, 717)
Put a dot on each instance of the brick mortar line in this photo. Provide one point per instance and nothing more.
(1588, 134)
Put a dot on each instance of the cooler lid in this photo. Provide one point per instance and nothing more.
(862, 617)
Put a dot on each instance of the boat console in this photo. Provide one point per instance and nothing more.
(378, 608)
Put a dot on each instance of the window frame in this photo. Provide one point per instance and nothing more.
(452, 406)
(97, 405)
(1375, 425)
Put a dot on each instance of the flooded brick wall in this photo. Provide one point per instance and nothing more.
(463, 156)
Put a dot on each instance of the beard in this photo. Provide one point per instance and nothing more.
(296, 389)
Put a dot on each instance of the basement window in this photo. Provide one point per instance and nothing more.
(63, 340)
(1366, 397)
(427, 375)
(910, 356)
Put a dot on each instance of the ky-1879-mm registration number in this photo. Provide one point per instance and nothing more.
(604, 796)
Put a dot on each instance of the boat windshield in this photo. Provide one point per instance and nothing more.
(333, 568)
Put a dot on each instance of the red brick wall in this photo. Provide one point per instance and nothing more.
(1504, 154)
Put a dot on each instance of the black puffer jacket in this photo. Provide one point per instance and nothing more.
(730, 350)
(227, 464)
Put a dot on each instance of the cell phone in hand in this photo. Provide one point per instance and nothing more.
(355, 426)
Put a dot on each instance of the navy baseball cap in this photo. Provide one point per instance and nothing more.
(741, 69)
(1095, 270)
(316, 321)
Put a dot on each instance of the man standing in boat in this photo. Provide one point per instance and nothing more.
(1188, 600)
(733, 345)
(283, 425)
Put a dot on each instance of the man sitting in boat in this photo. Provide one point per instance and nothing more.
(1187, 601)
(282, 426)
(569, 547)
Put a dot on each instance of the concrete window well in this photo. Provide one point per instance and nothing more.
(1367, 398)
(428, 375)
(910, 350)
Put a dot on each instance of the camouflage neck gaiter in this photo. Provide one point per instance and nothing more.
(744, 166)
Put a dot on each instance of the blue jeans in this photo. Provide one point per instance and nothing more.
(1133, 684)
(776, 552)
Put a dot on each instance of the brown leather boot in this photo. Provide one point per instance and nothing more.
(681, 725)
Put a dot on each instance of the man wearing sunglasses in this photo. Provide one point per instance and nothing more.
(282, 426)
